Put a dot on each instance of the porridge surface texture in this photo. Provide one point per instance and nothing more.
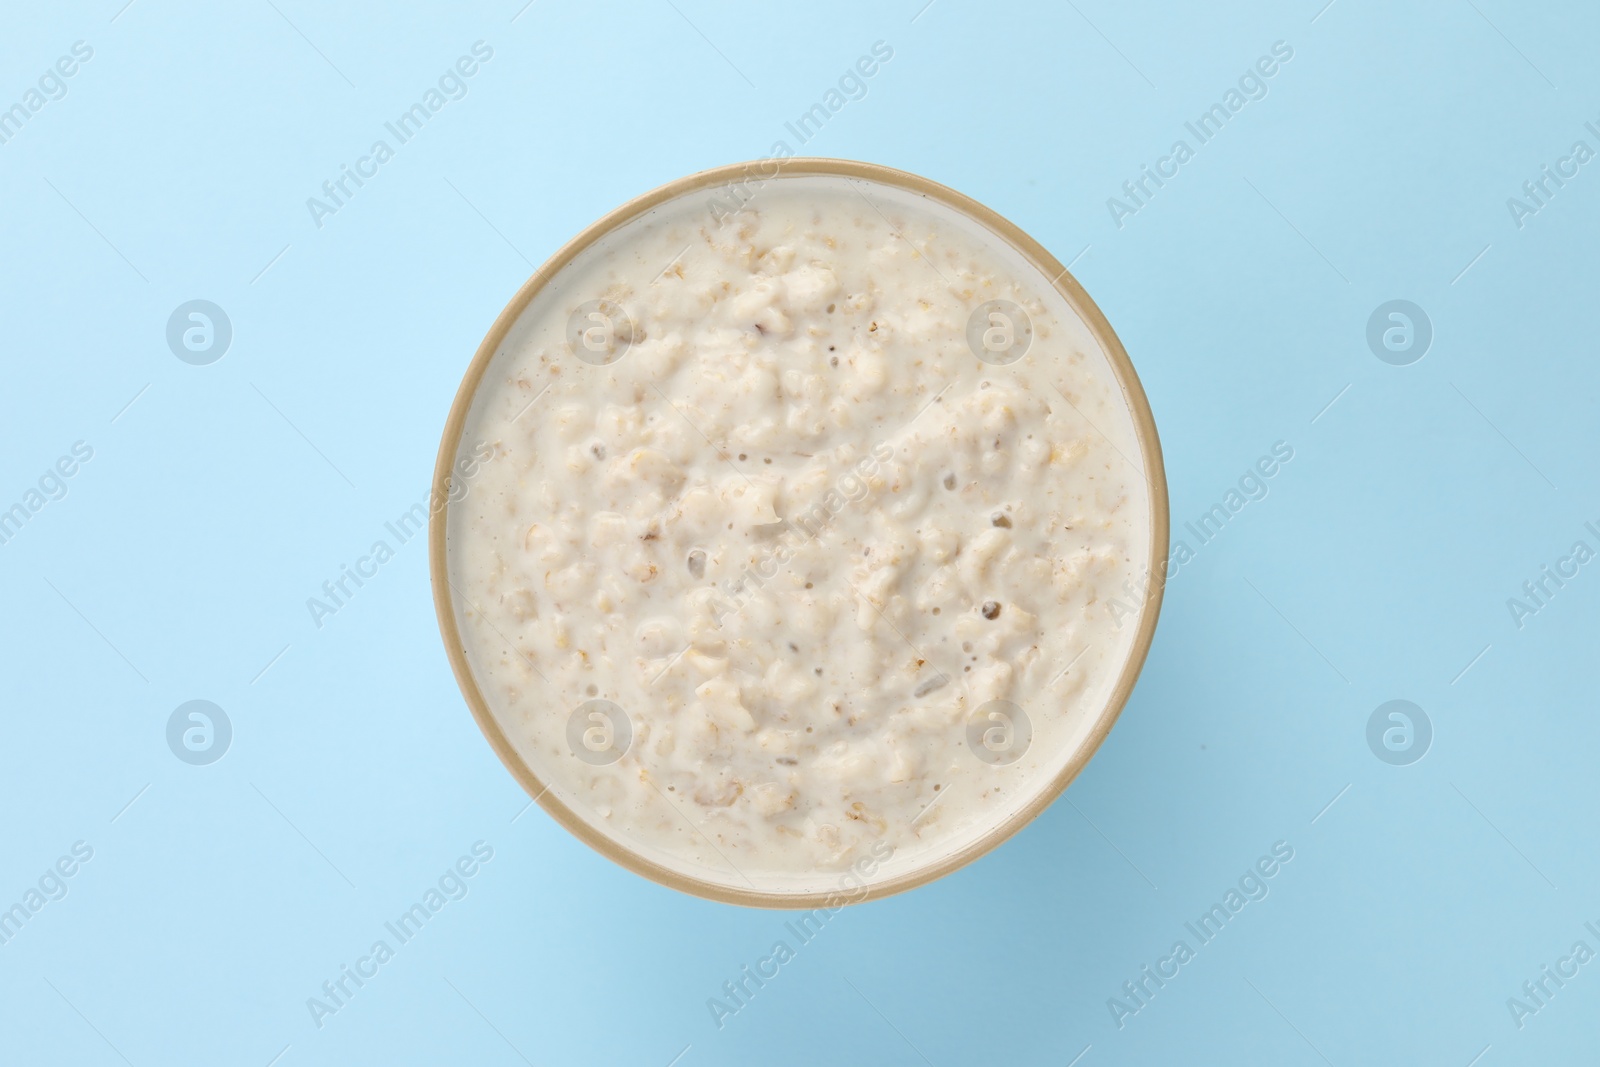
(765, 519)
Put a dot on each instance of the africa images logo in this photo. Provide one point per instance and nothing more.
(452, 85)
(1253, 886)
(199, 732)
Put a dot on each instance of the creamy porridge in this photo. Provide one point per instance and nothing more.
(770, 576)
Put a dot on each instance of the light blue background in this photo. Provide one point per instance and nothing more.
(177, 167)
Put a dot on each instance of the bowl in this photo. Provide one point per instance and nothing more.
(564, 324)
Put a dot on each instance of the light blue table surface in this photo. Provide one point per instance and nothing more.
(1377, 163)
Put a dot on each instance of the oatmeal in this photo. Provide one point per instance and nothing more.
(770, 571)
